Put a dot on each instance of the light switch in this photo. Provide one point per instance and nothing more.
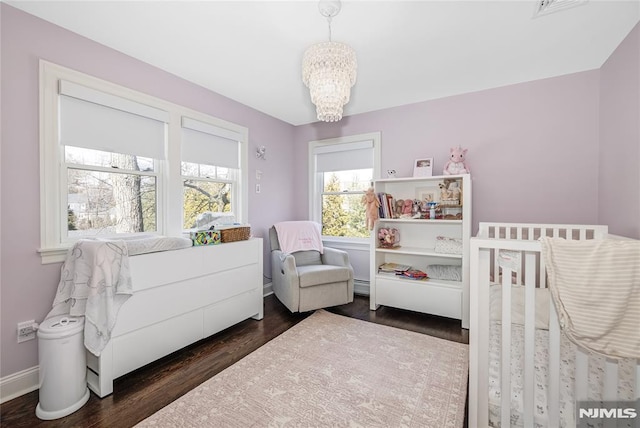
(257, 188)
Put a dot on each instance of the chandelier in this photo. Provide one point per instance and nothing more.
(329, 70)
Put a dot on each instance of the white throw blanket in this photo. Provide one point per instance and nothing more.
(94, 282)
(299, 236)
(595, 285)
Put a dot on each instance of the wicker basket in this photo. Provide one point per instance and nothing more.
(236, 234)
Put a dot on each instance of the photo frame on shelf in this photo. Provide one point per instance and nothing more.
(425, 194)
(423, 167)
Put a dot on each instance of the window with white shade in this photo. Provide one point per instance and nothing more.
(341, 171)
(118, 162)
(209, 167)
(111, 148)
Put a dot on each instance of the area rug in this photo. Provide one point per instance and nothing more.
(332, 371)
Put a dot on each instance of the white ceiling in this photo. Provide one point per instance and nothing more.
(408, 51)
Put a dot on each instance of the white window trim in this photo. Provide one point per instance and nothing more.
(169, 190)
(315, 186)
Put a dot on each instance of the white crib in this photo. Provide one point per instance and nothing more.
(515, 347)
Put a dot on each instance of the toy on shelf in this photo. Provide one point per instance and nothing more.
(456, 164)
(388, 237)
(371, 204)
(407, 208)
(432, 210)
(450, 192)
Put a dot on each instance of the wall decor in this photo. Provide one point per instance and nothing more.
(423, 167)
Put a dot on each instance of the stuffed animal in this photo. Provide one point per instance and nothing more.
(371, 204)
(444, 191)
(398, 208)
(407, 207)
(454, 191)
(456, 164)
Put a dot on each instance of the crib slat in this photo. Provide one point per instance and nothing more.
(636, 392)
(610, 391)
(582, 375)
(583, 234)
(505, 360)
(529, 339)
(553, 395)
(479, 268)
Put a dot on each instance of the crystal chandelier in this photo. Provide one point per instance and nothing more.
(329, 70)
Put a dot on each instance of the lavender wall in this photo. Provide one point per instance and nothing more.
(28, 287)
(619, 179)
(533, 147)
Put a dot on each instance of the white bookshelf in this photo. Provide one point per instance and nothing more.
(417, 249)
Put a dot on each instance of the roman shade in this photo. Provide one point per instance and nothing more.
(205, 143)
(96, 120)
(344, 157)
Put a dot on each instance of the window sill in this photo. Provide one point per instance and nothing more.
(346, 243)
(53, 255)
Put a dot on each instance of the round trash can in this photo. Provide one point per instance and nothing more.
(63, 367)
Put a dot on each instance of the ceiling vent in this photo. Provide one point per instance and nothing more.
(545, 7)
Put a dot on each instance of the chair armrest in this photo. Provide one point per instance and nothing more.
(286, 284)
(335, 257)
(286, 263)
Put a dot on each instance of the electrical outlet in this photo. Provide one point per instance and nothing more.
(26, 331)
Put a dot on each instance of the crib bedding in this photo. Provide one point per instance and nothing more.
(144, 244)
(567, 377)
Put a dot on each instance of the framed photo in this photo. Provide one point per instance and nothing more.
(426, 194)
(423, 167)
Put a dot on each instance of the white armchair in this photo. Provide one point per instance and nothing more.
(307, 280)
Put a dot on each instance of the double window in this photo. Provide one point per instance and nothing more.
(341, 171)
(116, 162)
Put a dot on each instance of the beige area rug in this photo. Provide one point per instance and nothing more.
(332, 371)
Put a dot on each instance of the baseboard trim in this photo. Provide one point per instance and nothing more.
(18, 384)
(267, 289)
(361, 287)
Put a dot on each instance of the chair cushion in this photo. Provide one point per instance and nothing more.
(305, 258)
(311, 275)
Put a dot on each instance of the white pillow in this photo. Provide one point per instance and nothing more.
(517, 305)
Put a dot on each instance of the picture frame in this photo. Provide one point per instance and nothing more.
(426, 194)
(423, 167)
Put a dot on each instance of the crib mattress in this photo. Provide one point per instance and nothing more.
(567, 377)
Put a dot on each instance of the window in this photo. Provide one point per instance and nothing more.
(109, 193)
(110, 148)
(342, 170)
(210, 166)
(116, 162)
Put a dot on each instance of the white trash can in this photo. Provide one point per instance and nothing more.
(63, 367)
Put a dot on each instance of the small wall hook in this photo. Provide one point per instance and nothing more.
(261, 153)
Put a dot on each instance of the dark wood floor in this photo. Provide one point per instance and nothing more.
(148, 389)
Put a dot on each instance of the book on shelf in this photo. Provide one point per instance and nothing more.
(393, 268)
(414, 274)
(387, 205)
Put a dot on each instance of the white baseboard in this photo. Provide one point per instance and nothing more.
(267, 289)
(361, 287)
(18, 384)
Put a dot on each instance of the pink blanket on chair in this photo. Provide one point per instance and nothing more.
(299, 236)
